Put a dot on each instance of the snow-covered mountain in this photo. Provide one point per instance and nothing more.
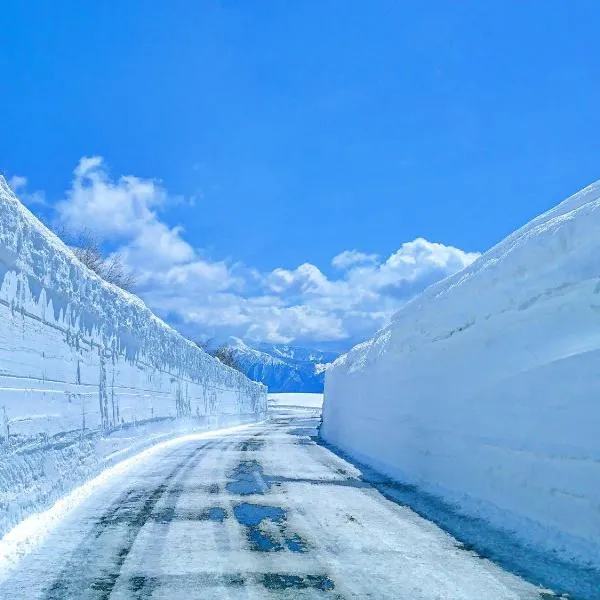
(281, 367)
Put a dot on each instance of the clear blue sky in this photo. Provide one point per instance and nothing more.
(305, 128)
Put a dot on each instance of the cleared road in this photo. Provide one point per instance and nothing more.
(262, 513)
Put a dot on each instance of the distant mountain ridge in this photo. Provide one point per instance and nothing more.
(281, 367)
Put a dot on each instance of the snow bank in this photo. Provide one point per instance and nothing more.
(485, 389)
(79, 356)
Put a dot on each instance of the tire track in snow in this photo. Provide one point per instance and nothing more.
(130, 512)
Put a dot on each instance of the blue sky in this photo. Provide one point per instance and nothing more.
(263, 139)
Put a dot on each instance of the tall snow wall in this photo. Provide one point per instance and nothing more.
(77, 353)
(485, 389)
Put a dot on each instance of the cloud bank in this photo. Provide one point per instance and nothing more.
(206, 297)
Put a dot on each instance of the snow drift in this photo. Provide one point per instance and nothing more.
(485, 389)
(79, 357)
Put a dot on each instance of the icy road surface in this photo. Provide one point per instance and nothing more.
(264, 512)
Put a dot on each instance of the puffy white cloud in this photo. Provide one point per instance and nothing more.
(206, 297)
(124, 211)
(348, 258)
(410, 269)
(156, 245)
(111, 209)
(303, 305)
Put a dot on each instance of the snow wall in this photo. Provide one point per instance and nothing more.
(77, 353)
(485, 389)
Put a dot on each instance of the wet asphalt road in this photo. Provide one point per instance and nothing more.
(261, 513)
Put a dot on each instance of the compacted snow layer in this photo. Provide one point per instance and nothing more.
(80, 357)
(485, 389)
(261, 513)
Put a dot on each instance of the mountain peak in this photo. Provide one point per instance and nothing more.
(281, 367)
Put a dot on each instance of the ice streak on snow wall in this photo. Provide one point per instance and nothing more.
(485, 389)
(76, 352)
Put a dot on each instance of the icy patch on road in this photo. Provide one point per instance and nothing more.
(30, 533)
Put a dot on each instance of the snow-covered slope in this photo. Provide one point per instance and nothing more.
(80, 355)
(485, 389)
(280, 367)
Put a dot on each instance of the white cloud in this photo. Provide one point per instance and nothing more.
(303, 305)
(348, 258)
(211, 297)
(414, 266)
(155, 244)
(112, 209)
(18, 184)
(125, 211)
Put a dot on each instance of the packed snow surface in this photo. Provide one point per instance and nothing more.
(485, 389)
(31, 533)
(263, 512)
(82, 362)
